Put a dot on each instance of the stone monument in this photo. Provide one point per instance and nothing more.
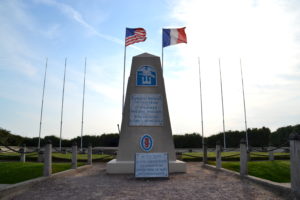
(146, 123)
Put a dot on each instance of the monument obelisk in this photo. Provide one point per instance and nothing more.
(146, 123)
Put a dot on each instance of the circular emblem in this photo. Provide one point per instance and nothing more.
(146, 142)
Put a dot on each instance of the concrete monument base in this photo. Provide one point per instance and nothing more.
(127, 167)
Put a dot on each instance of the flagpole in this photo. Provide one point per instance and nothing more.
(162, 51)
(62, 104)
(201, 105)
(162, 59)
(244, 104)
(41, 116)
(222, 103)
(123, 100)
(83, 95)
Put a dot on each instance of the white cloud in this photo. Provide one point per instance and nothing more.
(263, 35)
(76, 15)
(16, 53)
(53, 31)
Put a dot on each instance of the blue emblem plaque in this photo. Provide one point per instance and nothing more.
(146, 76)
(146, 142)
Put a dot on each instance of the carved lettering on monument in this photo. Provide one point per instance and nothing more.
(151, 165)
(146, 110)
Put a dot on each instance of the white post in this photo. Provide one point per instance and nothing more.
(90, 151)
(40, 156)
(74, 155)
(243, 158)
(204, 154)
(218, 155)
(23, 155)
(295, 160)
(271, 154)
(48, 159)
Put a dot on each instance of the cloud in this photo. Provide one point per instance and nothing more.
(16, 53)
(264, 35)
(75, 15)
(52, 32)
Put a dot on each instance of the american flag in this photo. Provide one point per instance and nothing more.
(135, 35)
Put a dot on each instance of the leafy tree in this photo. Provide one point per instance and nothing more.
(257, 137)
(193, 140)
(7, 138)
(281, 135)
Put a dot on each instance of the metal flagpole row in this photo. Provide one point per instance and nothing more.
(83, 95)
(244, 105)
(41, 116)
(201, 105)
(222, 103)
(62, 104)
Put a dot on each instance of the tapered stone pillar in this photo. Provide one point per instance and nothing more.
(146, 123)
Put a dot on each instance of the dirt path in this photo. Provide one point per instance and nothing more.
(197, 183)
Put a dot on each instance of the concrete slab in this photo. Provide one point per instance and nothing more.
(127, 167)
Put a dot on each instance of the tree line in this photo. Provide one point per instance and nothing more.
(257, 137)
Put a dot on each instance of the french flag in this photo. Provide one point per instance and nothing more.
(173, 36)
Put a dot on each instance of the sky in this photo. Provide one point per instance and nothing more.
(263, 35)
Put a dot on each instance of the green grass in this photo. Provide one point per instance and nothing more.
(55, 156)
(79, 156)
(197, 156)
(14, 172)
(277, 171)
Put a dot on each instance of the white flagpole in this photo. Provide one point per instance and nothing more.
(201, 105)
(41, 116)
(62, 104)
(162, 59)
(123, 98)
(222, 103)
(162, 51)
(244, 105)
(83, 95)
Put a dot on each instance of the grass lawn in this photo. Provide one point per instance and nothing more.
(58, 156)
(197, 156)
(79, 156)
(14, 172)
(277, 171)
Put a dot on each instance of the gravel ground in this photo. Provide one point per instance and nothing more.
(197, 183)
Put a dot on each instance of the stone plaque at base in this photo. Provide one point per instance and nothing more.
(151, 165)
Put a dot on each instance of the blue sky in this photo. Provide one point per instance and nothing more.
(265, 34)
